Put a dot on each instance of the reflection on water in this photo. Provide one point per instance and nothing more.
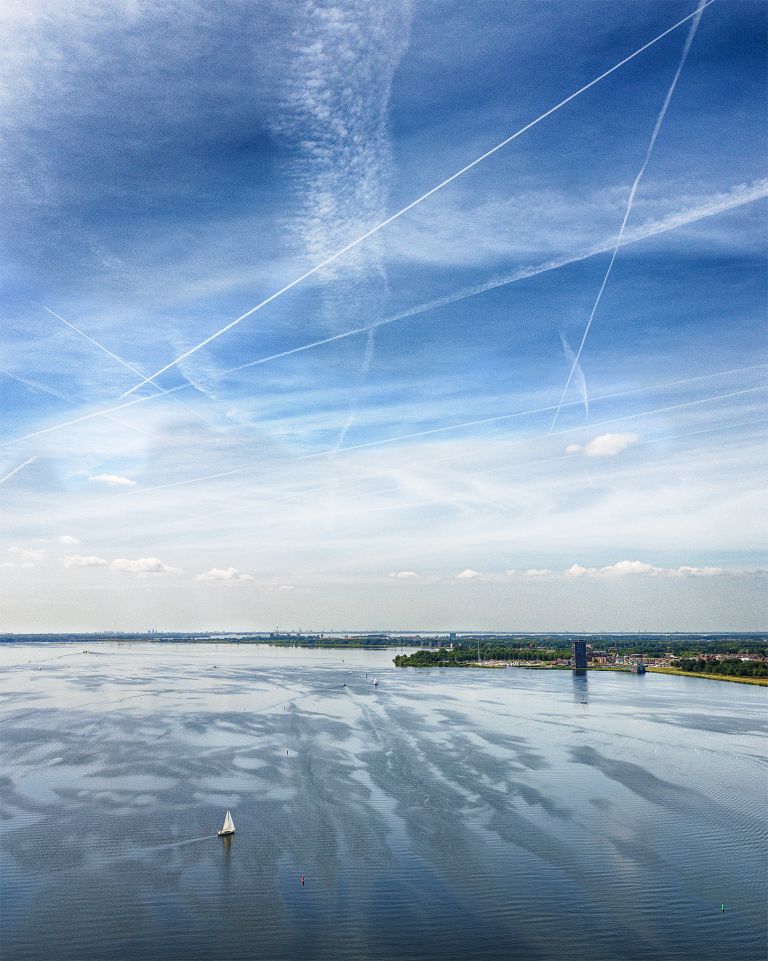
(442, 814)
(580, 686)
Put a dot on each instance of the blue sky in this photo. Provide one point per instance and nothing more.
(169, 167)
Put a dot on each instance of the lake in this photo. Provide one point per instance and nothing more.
(445, 814)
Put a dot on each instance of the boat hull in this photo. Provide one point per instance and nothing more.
(225, 834)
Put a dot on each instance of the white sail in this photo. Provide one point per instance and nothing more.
(229, 824)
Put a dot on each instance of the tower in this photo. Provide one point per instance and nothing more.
(579, 649)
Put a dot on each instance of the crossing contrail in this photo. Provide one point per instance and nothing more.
(523, 413)
(720, 203)
(737, 196)
(121, 360)
(101, 347)
(581, 380)
(492, 470)
(91, 416)
(16, 470)
(462, 426)
(631, 198)
(414, 203)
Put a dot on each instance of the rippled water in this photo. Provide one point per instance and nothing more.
(446, 814)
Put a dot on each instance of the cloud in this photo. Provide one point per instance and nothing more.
(469, 574)
(114, 479)
(224, 574)
(624, 568)
(66, 539)
(283, 587)
(697, 571)
(25, 557)
(403, 575)
(510, 572)
(606, 445)
(538, 572)
(143, 565)
(80, 560)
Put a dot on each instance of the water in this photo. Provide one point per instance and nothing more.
(446, 814)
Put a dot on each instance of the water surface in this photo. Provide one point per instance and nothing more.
(445, 814)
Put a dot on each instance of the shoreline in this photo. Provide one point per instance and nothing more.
(757, 681)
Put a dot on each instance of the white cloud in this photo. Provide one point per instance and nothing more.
(624, 568)
(80, 560)
(25, 557)
(67, 539)
(630, 567)
(403, 575)
(283, 587)
(510, 572)
(28, 554)
(573, 449)
(469, 574)
(115, 480)
(698, 571)
(143, 565)
(224, 574)
(538, 572)
(608, 445)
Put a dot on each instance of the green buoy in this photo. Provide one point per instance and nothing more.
(722, 908)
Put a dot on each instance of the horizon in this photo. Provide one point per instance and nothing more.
(405, 313)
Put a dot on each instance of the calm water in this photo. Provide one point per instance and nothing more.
(446, 814)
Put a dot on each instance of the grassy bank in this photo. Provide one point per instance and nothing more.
(760, 681)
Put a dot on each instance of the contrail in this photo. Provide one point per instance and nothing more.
(120, 360)
(631, 198)
(414, 203)
(181, 483)
(34, 386)
(17, 469)
(539, 410)
(433, 430)
(95, 413)
(721, 203)
(489, 470)
(363, 373)
(101, 347)
(581, 380)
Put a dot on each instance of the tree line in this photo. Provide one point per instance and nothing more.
(730, 666)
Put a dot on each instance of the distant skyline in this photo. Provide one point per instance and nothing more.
(382, 444)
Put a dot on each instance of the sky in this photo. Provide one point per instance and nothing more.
(256, 373)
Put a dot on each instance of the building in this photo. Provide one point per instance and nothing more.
(579, 651)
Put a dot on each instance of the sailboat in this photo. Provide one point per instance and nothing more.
(229, 826)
